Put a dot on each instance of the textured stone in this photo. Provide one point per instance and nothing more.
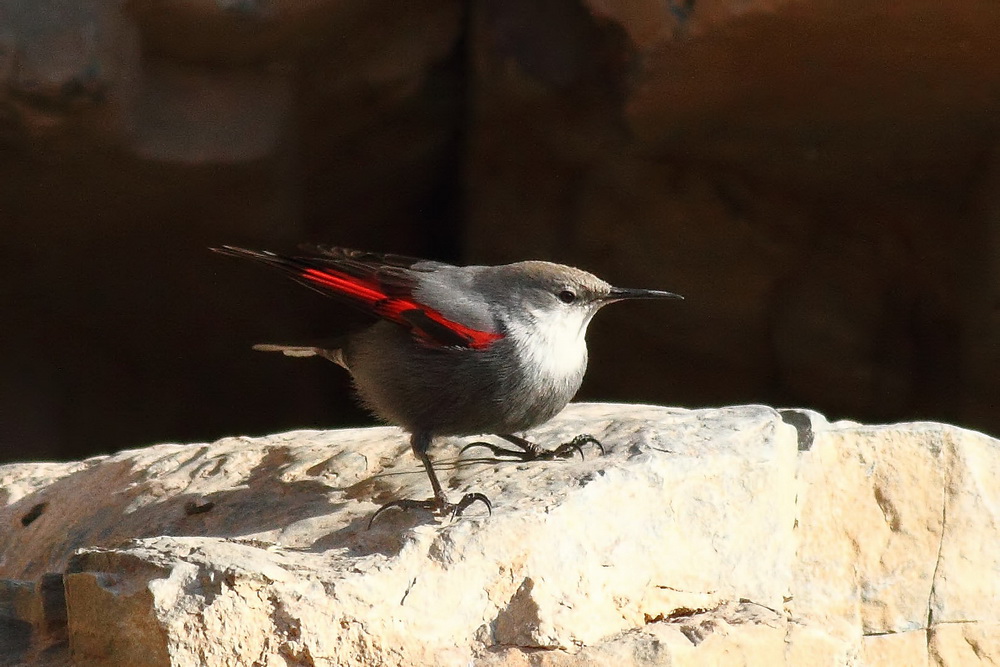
(65, 73)
(199, 115)
(819, 179)
(788, 166)
(870, 562)
(965, 581)
(731, 536)
(904, 648)
(133, 135)
(964, 644)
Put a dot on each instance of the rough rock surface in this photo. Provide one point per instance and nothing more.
(740, 535)
(820, 178)
(825, 198)
(135, 134)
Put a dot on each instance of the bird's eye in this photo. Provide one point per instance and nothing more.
(567, 296)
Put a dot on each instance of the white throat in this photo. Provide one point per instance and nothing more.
(553, 342)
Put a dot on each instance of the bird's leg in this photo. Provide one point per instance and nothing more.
(529, 451)
(439, 505)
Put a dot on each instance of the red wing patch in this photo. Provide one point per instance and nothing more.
(434, 327)
(426, 323)
(344, 284)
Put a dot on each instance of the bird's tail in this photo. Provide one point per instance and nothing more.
(335, 355)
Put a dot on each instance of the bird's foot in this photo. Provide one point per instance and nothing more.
(531, 452)
(437, 506)
(565, 450)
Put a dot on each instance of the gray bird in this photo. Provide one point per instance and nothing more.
(457, 350)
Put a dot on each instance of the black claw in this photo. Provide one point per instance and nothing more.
(436, 506)
(377, 512)
(470, 498)
(581, 440)
(565, 451)
(497, 451)
(532, 452)
(404, 505)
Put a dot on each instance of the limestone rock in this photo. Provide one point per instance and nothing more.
(738, 535)
(136, 133)
(781, 164)
(820, 179)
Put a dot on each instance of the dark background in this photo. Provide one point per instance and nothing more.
(819, 179)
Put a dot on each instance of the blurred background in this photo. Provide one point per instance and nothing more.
(820, 179)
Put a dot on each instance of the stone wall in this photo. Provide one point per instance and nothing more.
(819, 180)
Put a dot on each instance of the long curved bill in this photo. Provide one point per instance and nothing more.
(622, 293)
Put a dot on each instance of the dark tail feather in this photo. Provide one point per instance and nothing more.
(293, 267)
(264, 257)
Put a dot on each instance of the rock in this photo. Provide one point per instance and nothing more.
(784, 165)
(818, 179)
(134, 135)
(200, 116)
(741, 535)
(65, 67)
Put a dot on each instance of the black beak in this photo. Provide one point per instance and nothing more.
(622, 293)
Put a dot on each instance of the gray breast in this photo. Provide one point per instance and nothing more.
(448, 391)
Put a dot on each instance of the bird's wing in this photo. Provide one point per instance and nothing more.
(364, 261)
(383, 285)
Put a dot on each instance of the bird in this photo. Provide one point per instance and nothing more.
(446, 350)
